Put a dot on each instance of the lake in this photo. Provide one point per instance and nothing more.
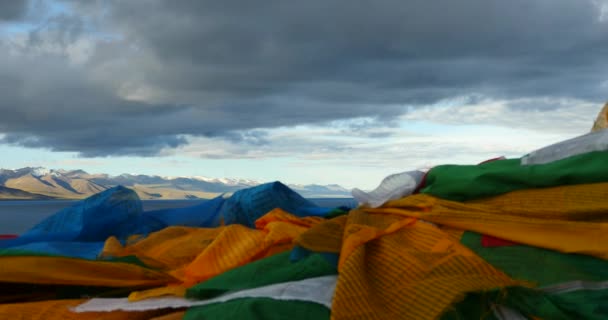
(17, 216)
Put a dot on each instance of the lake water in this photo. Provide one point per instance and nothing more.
(18, 216)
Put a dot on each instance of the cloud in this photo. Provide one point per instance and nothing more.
(539, 115)
(12, 10)
(412, 144)
(144, 77)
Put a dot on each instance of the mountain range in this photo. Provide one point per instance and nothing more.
(42, 184)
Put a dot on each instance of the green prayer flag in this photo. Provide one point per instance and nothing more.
(274, 269)
(468, 182)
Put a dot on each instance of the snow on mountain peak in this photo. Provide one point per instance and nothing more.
(201, 178)
(40, 171)
(227, 181)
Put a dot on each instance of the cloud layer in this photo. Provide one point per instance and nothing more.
(138, 77)
(12, 10)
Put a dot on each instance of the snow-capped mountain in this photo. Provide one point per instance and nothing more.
(43, 183)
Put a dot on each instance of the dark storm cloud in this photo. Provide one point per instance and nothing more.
(387, 51)
(159, 70)
(12, 10)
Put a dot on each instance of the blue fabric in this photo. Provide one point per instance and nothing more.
(84, 250)
(204, 215)
(113, 212)
(81, 230)
(313, 211)
(247, 205)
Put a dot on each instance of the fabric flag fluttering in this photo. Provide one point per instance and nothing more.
(523, 238)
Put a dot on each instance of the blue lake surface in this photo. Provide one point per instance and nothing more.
(17, 216)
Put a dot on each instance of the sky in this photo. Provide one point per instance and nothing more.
(325, 92)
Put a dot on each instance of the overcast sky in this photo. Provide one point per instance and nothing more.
(312, 91)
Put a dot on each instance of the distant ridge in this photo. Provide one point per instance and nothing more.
(16, 194)
(43, 183)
